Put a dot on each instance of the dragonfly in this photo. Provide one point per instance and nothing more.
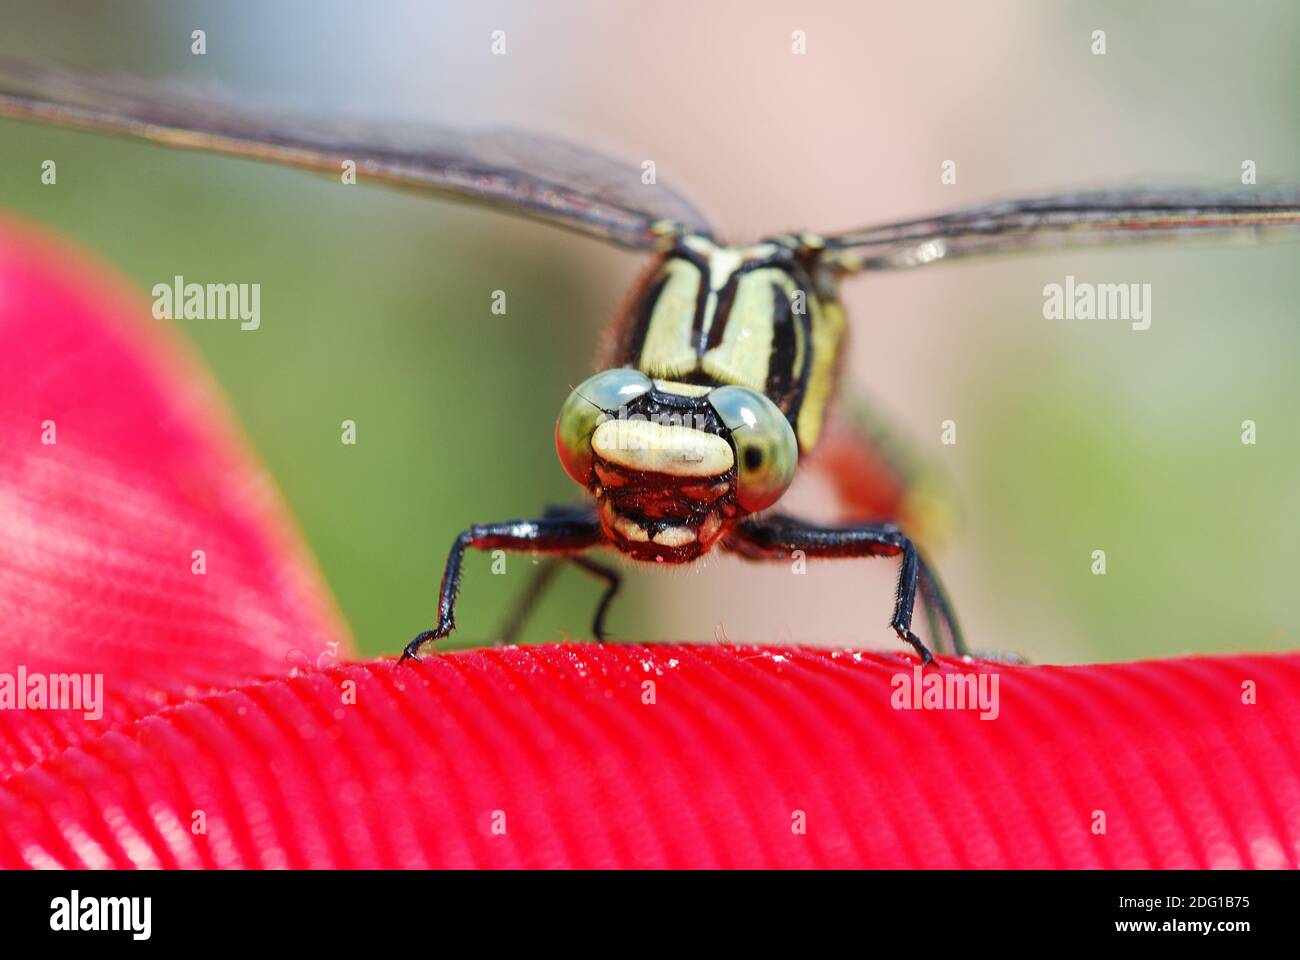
(721, 380)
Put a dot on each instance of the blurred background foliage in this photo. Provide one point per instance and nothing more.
(376, 305)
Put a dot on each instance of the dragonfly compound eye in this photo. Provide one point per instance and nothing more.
(766, 449)
(596, 398)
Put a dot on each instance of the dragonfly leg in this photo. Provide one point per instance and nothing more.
(539, 582)
(613, 580)
(563, 535)
(776, 536)
(542, 578)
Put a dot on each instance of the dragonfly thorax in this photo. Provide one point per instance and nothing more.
(764, 317)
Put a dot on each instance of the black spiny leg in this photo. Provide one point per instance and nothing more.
(563, 535)
(543, 576)
(774, 537)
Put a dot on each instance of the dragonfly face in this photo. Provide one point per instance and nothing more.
(673, 465)
(723, 368)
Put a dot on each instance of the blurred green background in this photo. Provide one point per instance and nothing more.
(1071, 436)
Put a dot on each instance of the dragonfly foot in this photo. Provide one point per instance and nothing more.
(412, 650)
(907, 636)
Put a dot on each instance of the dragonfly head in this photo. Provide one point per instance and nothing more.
(672, 465)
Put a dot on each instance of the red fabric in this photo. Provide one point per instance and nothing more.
(415, 765)
(548, 756)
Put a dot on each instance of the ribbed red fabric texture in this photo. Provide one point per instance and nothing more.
(555, 756)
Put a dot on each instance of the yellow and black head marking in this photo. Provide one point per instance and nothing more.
(726, 361)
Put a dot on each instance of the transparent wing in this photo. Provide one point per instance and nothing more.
(1073, 220)
(517, 172)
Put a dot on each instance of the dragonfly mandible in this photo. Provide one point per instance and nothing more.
(725, 365)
